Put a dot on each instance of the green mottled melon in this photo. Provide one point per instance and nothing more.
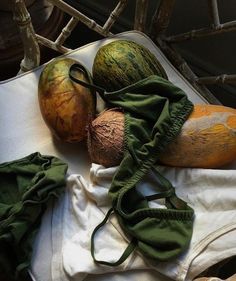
(66, 107)
(122, 63)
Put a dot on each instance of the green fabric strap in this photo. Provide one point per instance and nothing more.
(26, 187)
(130, 248)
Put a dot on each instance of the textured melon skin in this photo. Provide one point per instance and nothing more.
(122, 63)
(66, 107)
(207, 139)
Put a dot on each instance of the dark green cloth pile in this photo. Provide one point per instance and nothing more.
(26, 187)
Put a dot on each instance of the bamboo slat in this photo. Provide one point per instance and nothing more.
(66, 31)
(114, 15)
(202, 32)
(218, 80)
(50, 44)
(140, 19)
(31, 48)
(214, 13)
(161, 18)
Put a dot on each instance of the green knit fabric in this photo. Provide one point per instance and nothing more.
(26, 186)
(155, 111)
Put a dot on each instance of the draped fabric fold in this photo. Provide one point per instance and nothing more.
(26, 186)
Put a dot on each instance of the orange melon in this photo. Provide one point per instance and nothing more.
(207, 139)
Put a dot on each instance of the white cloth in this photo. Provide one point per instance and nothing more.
(211, 193)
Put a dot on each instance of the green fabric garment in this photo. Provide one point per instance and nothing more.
(26, 186)
(155, 111)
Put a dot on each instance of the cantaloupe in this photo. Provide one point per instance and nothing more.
(207, 139)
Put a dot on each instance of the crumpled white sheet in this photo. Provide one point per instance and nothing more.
(211, 193)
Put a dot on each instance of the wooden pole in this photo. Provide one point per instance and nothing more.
(214, 13)
(161, 18)
(50, 44)
(66, 31)
(218, 80)
(203, 32)
(31, 48)
(114, 15)
(141, 9)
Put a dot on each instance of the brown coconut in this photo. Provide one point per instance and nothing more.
(106, 138)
